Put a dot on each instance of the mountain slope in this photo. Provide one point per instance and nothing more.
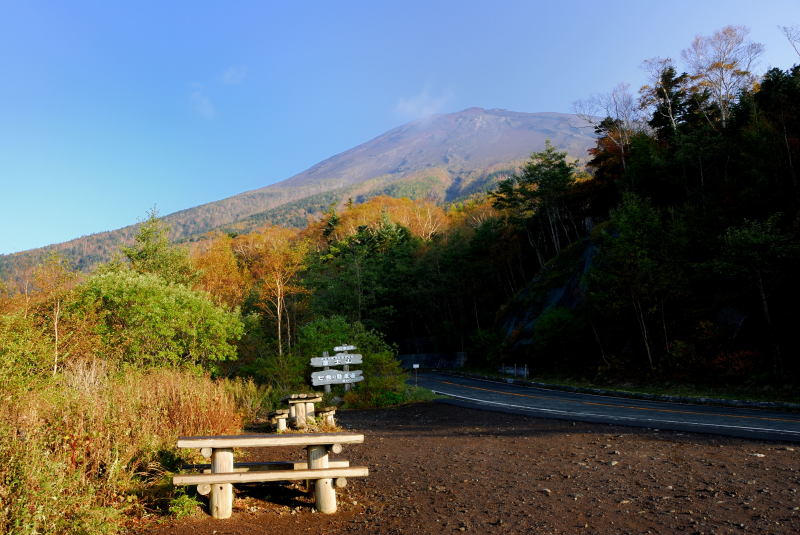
(445, 156)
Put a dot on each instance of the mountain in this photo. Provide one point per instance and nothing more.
(446, 157)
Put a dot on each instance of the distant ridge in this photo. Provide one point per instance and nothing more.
(444, 157)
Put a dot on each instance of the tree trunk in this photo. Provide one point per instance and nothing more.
(599, 343)
(278, 317)
(777, 365)
(664, 325)
(789, 158)
(357, 266)
(637, 307)
(56, 314)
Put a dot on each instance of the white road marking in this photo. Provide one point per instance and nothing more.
(627, 418)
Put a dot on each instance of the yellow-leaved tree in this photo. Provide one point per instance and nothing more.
(220, 272)
(275, 257)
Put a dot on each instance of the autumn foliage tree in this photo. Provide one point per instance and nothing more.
(275, 256)
(220, 272)
(722, 63)
(53, 281)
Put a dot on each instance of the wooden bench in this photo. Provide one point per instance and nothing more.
(301, 407)
(223, 473)
(328, 416)
(278, 418)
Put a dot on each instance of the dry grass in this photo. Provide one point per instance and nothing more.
(81, 450)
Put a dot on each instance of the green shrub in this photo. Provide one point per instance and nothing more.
(149, 322)
(384, 379)
(326, 333)
(183, 505)
(24, 349)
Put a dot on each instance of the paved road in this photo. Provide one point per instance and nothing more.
(500, 396)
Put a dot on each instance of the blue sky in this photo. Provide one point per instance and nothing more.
(110, 108)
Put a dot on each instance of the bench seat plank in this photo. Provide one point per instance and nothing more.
(269, 475)
(265, 440)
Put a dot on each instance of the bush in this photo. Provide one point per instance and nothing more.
(384, 379)
(326, 333)
(149, 322)
(24, 349)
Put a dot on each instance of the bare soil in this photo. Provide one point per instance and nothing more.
(437, 468)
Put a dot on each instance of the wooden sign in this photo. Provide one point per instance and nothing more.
(335, 377)
(336, 360)
(344, 348)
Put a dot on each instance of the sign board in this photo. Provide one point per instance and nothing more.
(335, 377)
(415, 366)
(336, 360)
(344, 348)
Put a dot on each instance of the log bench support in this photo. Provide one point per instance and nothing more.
(324, 493)
(220, 502)
(326, 474)
(279, 418)
(301, 408)
(327, 414)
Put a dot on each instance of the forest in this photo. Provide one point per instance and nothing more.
(671, 256)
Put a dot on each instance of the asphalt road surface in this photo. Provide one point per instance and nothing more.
(544, 403)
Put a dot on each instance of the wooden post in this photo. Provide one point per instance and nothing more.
(347, 385)
(309, 410)
(281, 424)
(299, 415)
(324, 492)
(221, 500)
(327, 387)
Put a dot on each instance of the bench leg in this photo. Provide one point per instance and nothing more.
(220, 502)
(324, 491)
(300, 415)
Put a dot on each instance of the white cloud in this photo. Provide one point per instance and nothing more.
(201, 103)
(422, 104)
(235, 75)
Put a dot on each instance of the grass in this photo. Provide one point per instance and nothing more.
(84, 453)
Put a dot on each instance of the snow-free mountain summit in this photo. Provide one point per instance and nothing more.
(444, 157)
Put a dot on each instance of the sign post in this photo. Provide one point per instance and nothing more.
(327, 387)
(416, 367)
(329, 376)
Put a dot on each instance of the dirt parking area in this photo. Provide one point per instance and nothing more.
(437, 468)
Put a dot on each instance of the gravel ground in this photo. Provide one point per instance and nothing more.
(436, 468)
